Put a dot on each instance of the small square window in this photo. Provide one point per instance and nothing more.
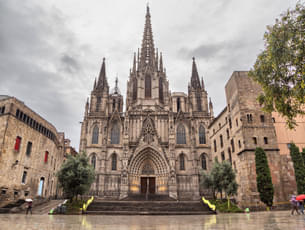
(3, 191)
(265, 140)
(222, 156)
(23, 181)
(29, 148)
(254, 140)
(262, 118)
(17, 143)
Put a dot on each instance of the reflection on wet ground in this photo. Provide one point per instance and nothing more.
(260, 220)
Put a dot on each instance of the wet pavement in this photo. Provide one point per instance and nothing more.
(281, 220)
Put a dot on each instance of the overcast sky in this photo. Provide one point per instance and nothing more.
(51, 51)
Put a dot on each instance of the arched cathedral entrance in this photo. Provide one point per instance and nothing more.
(148, 179)
(148, 173)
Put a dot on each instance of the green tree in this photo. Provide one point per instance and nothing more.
(280, 68)
(228, 182)
(220, 179)
(303, 156)
(299, 169)
(76, 175)
(263, 177)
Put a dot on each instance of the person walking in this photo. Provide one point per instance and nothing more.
(29, 208)
(301, 206)
(294, 205)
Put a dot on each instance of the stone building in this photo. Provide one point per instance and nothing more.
(159, 144)
(31, 151)
(163, 139)
(240, 128)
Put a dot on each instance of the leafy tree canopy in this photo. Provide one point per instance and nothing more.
(76, 175)
(280, 68)
(221, 178)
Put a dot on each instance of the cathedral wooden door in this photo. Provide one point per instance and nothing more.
(151, 186)
(143, 185)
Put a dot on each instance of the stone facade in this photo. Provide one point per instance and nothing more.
(239, 129)
(158, 145)
(163, 139)
(31, 151)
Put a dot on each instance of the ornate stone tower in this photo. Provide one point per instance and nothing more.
(147, 86)
(159, 144)
(197, 93)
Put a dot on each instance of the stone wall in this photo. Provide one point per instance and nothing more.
(22, 170)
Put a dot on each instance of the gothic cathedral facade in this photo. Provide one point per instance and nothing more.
(159, 144)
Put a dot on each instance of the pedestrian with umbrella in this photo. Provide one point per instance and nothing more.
(294, 205)
(300, 199)
(30, 203)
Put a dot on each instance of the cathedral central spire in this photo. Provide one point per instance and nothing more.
(147, 50)
(195, 82)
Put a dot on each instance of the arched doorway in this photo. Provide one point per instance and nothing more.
(148, 179)
(148, 173)
(40, 187)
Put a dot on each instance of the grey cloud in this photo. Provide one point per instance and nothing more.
(50, 52)
(35, 46)
(69, 63)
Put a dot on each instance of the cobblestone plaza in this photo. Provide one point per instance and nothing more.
(278, 220)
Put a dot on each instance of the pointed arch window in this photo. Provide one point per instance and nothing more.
(95, 135)
(182, 161)
(147, 86)
(115, 134)
(114, 162)
(93, 161)
(113, 104)
(134, 90)
(203, 162)
(178, 104)
(199, 103)
(98, 103)
(160, 90)
(202, 139)
(181, 139)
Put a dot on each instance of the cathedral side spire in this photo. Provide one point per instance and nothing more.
(211, 108)
(161, 63)
(157, 59)
(87, 108)
(102, 80)
(147, 49)
(202, 83)
(195, 82)
(134, 67)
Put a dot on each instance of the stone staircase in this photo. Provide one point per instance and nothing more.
(150, 197)
(141, 206)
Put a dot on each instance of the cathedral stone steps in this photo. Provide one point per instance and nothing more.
(102, 207)
(150, 197)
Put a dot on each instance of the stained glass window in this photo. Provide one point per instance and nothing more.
(181, 159)
(114, 162)
(147, 86)
(115, 134)
(202, 139)
(95, 135)
(181, 139)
